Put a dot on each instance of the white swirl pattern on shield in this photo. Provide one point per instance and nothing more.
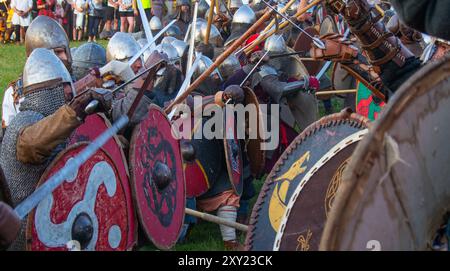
(57, 235)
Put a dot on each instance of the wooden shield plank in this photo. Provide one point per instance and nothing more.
(303, 44)
(301, 155)
(395, 192)
(254, 151)
(157, 178)
(233, 152)
(90, 207)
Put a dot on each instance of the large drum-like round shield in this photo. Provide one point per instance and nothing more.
(157, 178)
(92, 127)
(291, 174)
(88, 211)
(395, 193)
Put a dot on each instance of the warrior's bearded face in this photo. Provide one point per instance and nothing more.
(185, 14)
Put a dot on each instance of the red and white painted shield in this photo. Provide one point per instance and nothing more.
(157, 178)
(88, 211)
(92, 127)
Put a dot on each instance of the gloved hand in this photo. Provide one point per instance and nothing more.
(117, 68)
(80, 102)
(9, 225)
(336, 49)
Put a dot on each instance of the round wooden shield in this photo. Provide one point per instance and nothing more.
(307, 210)
(395, 192)
(253, 142)
(328, 26)
(89, 211)
(366, 104)
(157, 178)
(233, 152)
(303, 44)
(92, 127)
(286, 176)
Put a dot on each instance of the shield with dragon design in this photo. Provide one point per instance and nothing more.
(367, 105)
(395, 192)
(92, 127)
(296, 170)
(157, 178)
(89, 210)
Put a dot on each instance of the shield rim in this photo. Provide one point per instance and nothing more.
(260, 127)
(344, 115)
(355, 174)
(132, 181)
(227, 159)
(31, 215)
(309, 177)
(333, 25)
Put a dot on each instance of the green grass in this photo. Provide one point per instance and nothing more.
(204, 236)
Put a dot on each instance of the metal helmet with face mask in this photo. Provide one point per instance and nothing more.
(170, 51)
(215, 38)
(275, 44)
(121, 47)
(242, 20)
(44, 32)
(155, 24)
(173, 31)
(42, 66)
(229, 66)
(235, 4)
(203, 8)
(86, 57)
(180, 46)
(146, 54)
(168, 40)
(210, 85)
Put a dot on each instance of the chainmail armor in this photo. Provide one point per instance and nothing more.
(22, 178)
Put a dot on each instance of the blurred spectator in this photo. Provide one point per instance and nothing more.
(157, 8)
(67, 18)
(59, 12)
(46, 7)
(21, 18)
(147, 5)
(95, 16)
(79, 16)
(111, 19)
(127, 10)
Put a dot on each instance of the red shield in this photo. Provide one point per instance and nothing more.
(233, 153)
(92, 127)
(89, 210)
(157, 178)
